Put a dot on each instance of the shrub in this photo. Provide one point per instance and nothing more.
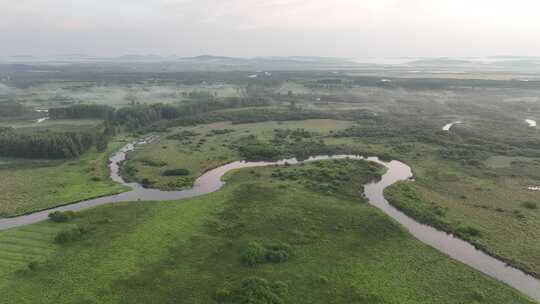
(465, 231)
(253, 254)
(183, 135)
(257, 253)
(61, 217)
(259, 291)
(259, 151)
(153, 163)
(223, 295)
(518, 214)
(278, 256)
(176, 172)
(277, 252)
(71, 235)
(359, 298)
(128, 170)
(147, 183)
(530, 205)
(221, 131)
(478, 295)
(33, 266)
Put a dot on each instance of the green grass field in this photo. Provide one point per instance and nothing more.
(27, 186)
(340, 250)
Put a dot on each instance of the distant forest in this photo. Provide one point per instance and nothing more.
(48, 144)
(62, 144)
(141, 115)
(10, 108)
(81, 111)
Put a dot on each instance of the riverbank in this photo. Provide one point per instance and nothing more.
(211, 181)
(339, 248)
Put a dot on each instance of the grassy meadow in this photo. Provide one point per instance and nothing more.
(495, 212)
(32, 185)
(320, 248)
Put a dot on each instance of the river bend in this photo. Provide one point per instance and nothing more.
(396, 171)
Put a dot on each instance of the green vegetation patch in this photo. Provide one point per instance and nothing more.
(32, 186)
(332, 177)
(176, 172)
(285, 143)
(61, 217)
(254, 290)
(404, 197)
(70, 235)
(201, 148)
(344, 252)
(256, 253)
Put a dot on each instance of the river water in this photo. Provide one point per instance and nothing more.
(396, 171)
(449, 126)
(444, 242)
(531, 123)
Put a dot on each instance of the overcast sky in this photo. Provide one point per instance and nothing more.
(345, 28)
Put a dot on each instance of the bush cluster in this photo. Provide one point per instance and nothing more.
(530, 205)
(330, 177)
(468, 231)
(256, 253)
(221, 131)
(182, 135)
(176, 172)
(259, 151)
(71, 235)
(61, 217)
(153, 162)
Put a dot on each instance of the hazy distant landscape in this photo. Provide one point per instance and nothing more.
(269, 152)
(473, 178)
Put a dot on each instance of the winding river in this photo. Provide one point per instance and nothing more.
(396, 171)
(531, 123)
(449, 126)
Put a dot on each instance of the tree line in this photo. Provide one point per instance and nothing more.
(62, 144)
(82, 111)
(141, 115)
(11, 108)
(49, 144)
(69, 144)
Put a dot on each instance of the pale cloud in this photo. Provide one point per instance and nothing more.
(272, 27)
(521, 14)
(304, 14)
